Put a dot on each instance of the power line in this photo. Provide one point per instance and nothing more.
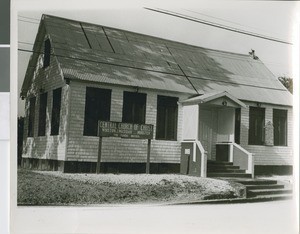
(27, 43)
(221, 26)
(28, 18)
(265, 61)
(145, 69)
(228, 21)
(28, 21)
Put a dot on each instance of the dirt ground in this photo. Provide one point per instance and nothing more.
(56, 188)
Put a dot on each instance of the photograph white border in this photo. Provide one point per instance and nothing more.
(88, 219)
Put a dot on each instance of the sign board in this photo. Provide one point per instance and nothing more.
(125, 130)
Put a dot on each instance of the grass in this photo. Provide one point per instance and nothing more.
(55, 188)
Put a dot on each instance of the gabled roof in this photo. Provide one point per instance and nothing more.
(210, 97)
(97, 53)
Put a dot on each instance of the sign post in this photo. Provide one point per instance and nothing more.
(148, 157)
(99, 155)
(124, 130)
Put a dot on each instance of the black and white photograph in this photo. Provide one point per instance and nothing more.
(155, 117)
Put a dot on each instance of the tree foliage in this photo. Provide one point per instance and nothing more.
(287, 82)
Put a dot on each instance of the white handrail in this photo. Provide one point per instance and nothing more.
(203, 158)
(240, 148)
(203, 153)
(201, 148)
(250, 163)
(250, 168)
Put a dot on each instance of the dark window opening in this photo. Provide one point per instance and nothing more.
(166, 122)
(56, 105)
(47, 52)
(134, 108)
(256, 126)
(97, 107)
(31, 116)
(42, 114)
(280, 127)
(237, 126)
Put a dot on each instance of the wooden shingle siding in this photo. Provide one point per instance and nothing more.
(46, 147)
(85, 148)
(268, 155)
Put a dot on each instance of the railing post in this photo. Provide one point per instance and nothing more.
(230, 152)
(194, 151)
(251, 165)
(203, 164)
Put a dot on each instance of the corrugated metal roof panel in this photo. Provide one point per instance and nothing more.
(243, 92)
(81, 70)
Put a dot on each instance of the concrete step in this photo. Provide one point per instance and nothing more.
(258, 192)
(218, 163)
(241, 200)
(225, 170)
(222, 166)
(274, 197)
(239, 175)
(256, 182)
(264, 186)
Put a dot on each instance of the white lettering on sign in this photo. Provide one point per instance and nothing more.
(125, 126)
(187, 151)
(126, 130)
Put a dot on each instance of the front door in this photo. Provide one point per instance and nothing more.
(205, 131)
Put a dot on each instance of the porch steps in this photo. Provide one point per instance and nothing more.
(256, 189)
(220, 163)
(257, 182)
(228, 174)
(267, 190)
(265, 186)
(225, 169)
(258, 192)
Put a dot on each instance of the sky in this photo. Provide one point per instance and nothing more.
(274, 19)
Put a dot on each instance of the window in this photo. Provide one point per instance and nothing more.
(42, 114)
(56, 104)
(256, 126)
(47, 52)
(31, 116)
(166, 123)
(237, 125)
(134, 107)
(97, 107)
(280, 127)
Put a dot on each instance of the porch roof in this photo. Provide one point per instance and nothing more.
(209, 97)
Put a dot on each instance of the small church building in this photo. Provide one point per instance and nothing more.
(204, 105)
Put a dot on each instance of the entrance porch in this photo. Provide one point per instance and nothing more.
(209, 134)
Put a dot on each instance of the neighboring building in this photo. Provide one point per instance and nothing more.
(80, 73)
